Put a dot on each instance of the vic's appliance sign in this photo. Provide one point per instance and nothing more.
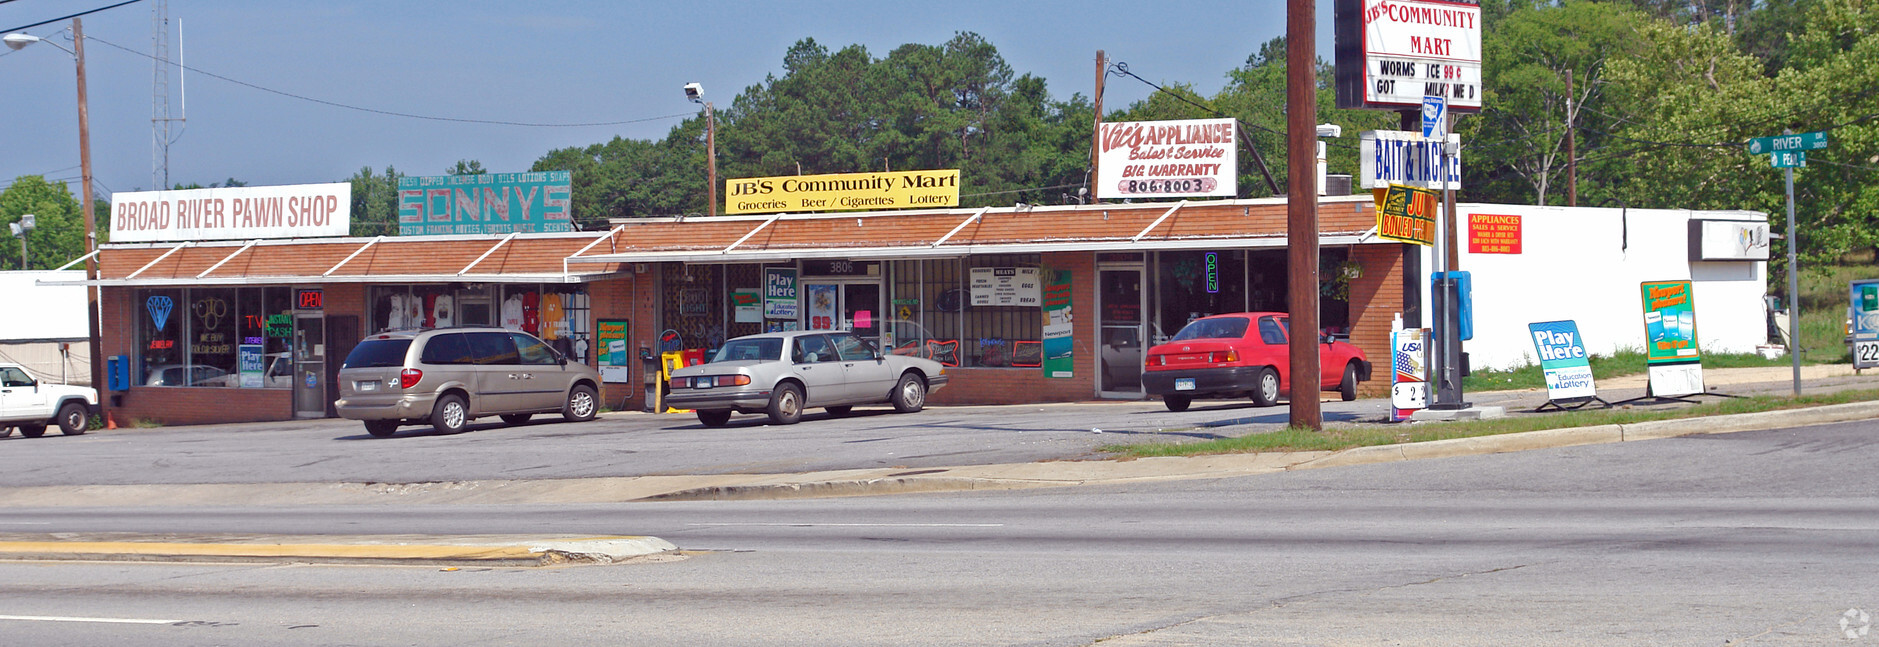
(1563, 359)
(1408, 49)
(1168, 159)
(490, 203)
(842, 192)
(1401, 157)
(232, 213)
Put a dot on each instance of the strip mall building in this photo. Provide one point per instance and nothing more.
(199, 331)
(189, 321)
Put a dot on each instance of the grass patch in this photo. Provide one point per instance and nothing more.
(146, 423)
(1625, 362)
(1293, 439)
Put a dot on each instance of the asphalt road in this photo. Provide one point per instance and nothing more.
(628, 444)
(1754, 538)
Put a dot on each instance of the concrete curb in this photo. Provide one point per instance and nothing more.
(480, 550)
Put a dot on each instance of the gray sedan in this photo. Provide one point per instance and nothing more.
(780, 374)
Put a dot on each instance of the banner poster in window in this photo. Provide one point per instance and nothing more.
(746, 305)
(1563, 359)
(1409, 372)
(1004, 286)
(615, 359)
(779, 294)
(821, 307)
(253, 364)
(1670, 348)
(1865, 324)
(1059, 349)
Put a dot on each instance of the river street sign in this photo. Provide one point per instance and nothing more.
(1785, 143)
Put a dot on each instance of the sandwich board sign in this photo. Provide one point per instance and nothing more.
(1409, 372)
(1670, 348)
(1563, 360)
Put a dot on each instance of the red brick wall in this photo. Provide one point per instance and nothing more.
(633, 299)
(1021, 385)
(199, 406)
(1375, 299)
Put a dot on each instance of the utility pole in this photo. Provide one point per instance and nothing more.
(95, 346)
(1096, 141)
(1572, 149)
(711, 160)
(1301, 127)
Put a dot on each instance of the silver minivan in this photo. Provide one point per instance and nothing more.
(448, 377)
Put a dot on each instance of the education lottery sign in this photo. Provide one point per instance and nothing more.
(1563, 359)
(1168, 159)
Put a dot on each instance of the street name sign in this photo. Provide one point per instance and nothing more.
(1781, 143)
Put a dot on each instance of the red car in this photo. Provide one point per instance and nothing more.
(1243, 354)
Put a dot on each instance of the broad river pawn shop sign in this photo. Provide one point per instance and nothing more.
(232, 213)
(489, 203)
(1563, 359)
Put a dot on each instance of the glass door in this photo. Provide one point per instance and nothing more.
(844, 305)
(309, 366)
(1119, 301)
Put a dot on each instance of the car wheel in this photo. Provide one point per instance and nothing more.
(582, 404)
(714, 418)
(909, 394)
(1176, 402)
(74, 419)
(516, 418)
(841, 410)
(786, 404)
(1347, 388)
(381, 428)
(451, 414)
(1266, 387)
(32, 429)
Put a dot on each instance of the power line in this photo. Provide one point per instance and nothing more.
(391, 113)
(81, 13)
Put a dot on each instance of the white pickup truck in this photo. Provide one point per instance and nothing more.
(31, 405)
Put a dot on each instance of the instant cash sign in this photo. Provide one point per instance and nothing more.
(232, 213)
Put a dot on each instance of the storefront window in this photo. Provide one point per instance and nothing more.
(161, 340)
(1195, 284)
(215, 337)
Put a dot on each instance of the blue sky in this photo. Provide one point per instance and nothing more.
(558, 62)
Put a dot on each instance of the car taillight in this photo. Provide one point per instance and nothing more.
(1227, 357)
(409, 378)
(681, 383)
(733, 380)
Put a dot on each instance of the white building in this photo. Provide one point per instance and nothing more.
(43, 327)
(1586, 264)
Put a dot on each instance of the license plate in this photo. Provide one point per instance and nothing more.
(701, 383)
(1183, 384)
(371, 385)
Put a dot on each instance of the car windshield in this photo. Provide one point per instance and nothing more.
(378, 353)
(1213, 328)
(767, 348)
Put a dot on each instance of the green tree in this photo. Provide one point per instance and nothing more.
(59, 231)
(466, 167)
(375, 202)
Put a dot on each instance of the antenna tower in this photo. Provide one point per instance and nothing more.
(165, 129)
